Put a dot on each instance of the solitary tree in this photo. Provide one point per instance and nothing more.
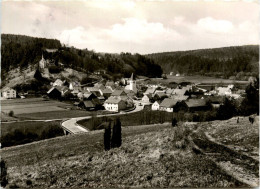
(107, 136)
(116, 140)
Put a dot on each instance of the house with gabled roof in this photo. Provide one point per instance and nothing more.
(115, 104)
(168, 104)
(58, 82)
(8, 92)
(146, 98)
(156, 105)
(54, 93)
(193, 105)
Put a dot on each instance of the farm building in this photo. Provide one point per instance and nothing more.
(54, 93)
(155, 106)
(115, 104)
(8, 93)
(168, 104)
(192, 105)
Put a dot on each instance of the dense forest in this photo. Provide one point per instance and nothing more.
(21, 51)
(228, 61)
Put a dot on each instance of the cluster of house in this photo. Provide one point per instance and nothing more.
(110, 95)
(188, 98)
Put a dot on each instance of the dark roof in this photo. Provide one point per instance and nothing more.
(113, 100)
(118, 93)
(106, 91)
(168, 103)
(89, 104)
(160, 94)
(196, 103)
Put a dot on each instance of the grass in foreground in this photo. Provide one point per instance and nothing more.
(151, 156)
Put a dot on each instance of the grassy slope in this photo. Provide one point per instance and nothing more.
(151, 156)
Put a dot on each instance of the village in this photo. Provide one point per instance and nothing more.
(128, 93)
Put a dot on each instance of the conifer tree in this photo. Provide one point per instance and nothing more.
(116, 140)
(107, 136)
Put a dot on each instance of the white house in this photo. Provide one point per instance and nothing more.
(8, 93)
(155, 106)
(114, 104)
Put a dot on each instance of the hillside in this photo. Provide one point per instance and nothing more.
(227, 61)
(150, 156)
(23, 52)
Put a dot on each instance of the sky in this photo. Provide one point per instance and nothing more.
(138, 26)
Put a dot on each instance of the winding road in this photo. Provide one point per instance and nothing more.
(71, 126)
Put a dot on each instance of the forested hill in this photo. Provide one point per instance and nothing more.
(21, 51)
(226, 61)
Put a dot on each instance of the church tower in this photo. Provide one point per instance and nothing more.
(132, 83)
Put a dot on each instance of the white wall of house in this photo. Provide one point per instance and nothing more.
(155, 106)
(111, 107)
(166, 109)
(9, 93)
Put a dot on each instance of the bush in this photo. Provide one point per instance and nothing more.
(54, 69)
(11, 113)
(174, 122)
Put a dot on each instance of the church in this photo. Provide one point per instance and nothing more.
(42, 63)
(132, 85)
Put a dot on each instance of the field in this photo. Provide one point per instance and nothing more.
(199, 79)
(25, 106)
(150, 156)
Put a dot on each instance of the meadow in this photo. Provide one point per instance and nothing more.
(25, 106)
(150, 156)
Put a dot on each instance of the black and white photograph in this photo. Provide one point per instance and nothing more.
(129, 94)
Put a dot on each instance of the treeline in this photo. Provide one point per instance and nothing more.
(21, 51)
(235, 61)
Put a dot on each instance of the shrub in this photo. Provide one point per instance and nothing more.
(54, 69)
(11, 113)
(174, 122)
